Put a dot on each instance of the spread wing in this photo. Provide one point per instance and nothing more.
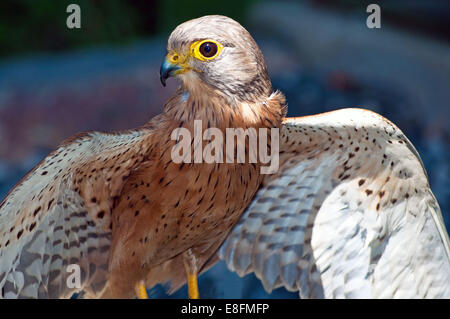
(349, 214)
(59, 215)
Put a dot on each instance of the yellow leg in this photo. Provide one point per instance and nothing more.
(141, 291)
(190, 264)
(192, 286)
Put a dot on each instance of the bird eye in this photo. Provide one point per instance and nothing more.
(208, 49)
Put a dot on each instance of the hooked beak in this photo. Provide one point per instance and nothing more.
(168, 69)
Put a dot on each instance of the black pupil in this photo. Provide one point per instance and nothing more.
(208, 49)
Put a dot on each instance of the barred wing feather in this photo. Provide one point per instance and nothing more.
(58, 215)
(349, 214)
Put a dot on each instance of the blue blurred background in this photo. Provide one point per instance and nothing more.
(55, 81)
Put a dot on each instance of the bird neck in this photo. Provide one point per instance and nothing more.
(217, 110)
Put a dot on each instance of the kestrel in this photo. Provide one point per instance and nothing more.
(349, 213)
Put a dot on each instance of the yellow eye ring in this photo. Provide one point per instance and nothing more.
(202, 49)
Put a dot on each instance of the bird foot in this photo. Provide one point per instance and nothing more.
(141, 291)
(190, 264)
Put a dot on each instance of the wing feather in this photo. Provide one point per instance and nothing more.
(349, 214)
(59, 215)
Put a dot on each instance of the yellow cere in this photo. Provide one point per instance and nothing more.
(195, 50)
(174, 58)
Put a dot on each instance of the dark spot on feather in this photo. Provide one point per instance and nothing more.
(36, 211)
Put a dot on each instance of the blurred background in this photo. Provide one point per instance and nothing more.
(55, 81)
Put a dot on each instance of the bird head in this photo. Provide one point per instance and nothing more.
(218, 52)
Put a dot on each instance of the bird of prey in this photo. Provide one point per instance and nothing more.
(348, 214)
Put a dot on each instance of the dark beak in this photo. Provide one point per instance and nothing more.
(167, 70)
